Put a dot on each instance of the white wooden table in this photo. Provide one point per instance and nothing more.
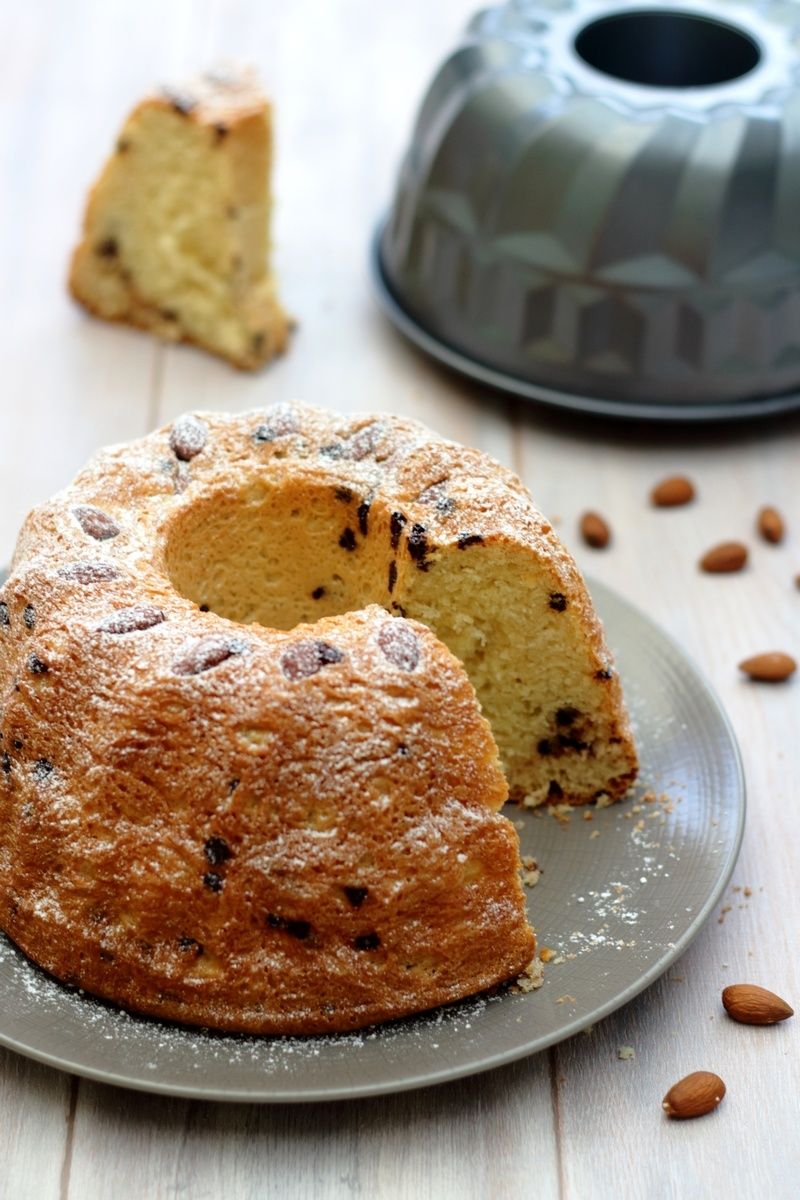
(576, 1123)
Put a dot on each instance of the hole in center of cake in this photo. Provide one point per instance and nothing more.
(667, 49)
(279, 555)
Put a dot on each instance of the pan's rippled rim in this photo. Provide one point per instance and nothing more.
(473, 368)
(619, 899)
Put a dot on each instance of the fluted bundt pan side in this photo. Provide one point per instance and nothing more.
(602, 199)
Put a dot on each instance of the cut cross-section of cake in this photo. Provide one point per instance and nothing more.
(175, 236)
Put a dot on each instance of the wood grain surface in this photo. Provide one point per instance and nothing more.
(577, 1123)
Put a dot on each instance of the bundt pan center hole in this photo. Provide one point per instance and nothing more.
(663, 49)
(276, 555)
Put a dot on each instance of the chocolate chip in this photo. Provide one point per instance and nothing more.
(232, 786)
(545, 746)
(207, 653)
(188, 437)
(17, 743)
(280, 423)
(213, 881)
(131, 620)
(36, 666)
(182, 102)
(397, 523)
(5, 619)
(42, 769)
(123, 146)
(318, 593)
(356, 895)
(169, 314)
(392, 576)
(298, 929)
(257, 341)
(217, 851)
(89, 572)
(348, 540)
(221, 131)
(108, 248)
(418, 546)
(399, 644)
(96, 523)
(367, 941)
(362, 514)
(571, 743)
(29, 615)
(344, 494)
(558, 601)
(5, 763)
(469, 539)
(203, 608)
(604, 674)
(566, 716)
(306, 658)
(190, 943)
(554, 790)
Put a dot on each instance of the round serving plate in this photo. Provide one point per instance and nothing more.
(600, 406)
(619, 899)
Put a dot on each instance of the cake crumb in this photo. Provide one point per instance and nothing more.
(546, 954)
(531, 978)
(626, 1053)
(566, 999)
(594, 834)
(747, 891)
(588, 815)
(531, 871)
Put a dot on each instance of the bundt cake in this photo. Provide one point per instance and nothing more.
(175, 236)
(244, 783)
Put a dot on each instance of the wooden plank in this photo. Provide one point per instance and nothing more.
(613, 1130)
(37, 1107)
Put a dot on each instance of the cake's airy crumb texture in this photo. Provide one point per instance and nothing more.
(175, 236)
(242, 785)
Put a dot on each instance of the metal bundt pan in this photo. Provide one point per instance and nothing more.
(600, 208)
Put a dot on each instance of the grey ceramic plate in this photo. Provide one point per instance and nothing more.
(620, 897)
(601, 406)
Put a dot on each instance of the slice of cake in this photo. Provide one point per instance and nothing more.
(175, 236)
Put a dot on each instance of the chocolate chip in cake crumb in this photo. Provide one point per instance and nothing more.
(5, 763)
(132, 620)
(221, 131)
(545, 746)
(554, 790)
(42, 769)
(367, 941)
(123, 145)
(298, 929)
(418, 546)
(304, 659)
(469, 539)
(344, 494)
(29, 616)
(400, 645)
(281, 422)
(5, 619)
(233, 785)
(190, 943)
(356, 895)
(213, 881)
(96, 523)
(318, 593)
(257, 342)
(203, 608)
(392, 576)
(566, 716)
(566, 742)
(604, 674)
(36, 666)
(558, 601)
(188, 437)
(348, 540)
(207, 653)
(217, 851)
(17, 743)
(107, 248)
(362, 513)
(397, 523)
(89, 572)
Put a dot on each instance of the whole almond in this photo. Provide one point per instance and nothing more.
(595, 530)
(671, 492)
(727, 556)
(694, 1095)
(772, 667)
(770, 525)
(754, 1005)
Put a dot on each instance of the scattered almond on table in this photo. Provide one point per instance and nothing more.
(772, 667)
(671, 492)
(595, 530)
(694, 1095)
(754, 1005)
(724, 558)
(770, 525)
